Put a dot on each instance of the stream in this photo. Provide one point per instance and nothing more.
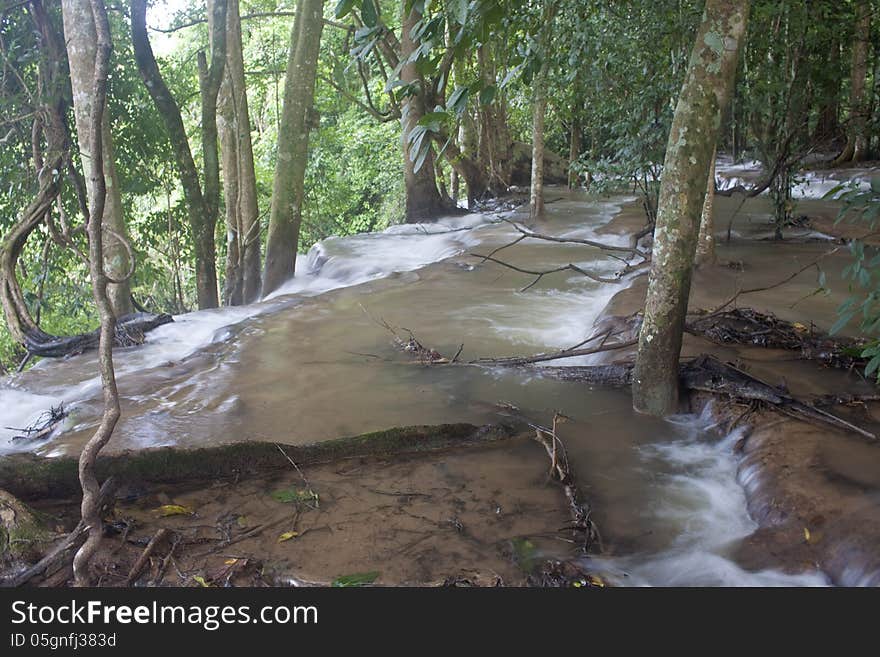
(313, 362)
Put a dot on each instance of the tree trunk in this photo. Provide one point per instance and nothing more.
(710, 78)
(706, 242)
(198, 210)
(539, 109)
(79, 32)
(495, 143)
(423, 199)
(243, 270)
(288, 189)
(574, 152)
(91, 507)
(857, 136)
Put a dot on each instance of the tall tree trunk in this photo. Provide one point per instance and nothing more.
(199, 210)
(288, 190)
(495, 143)
(423, 199)
(243, 270)
(574, 151)
(81, 39)
(91, 500)
(710, 78)
(828, 125)
(857, 136)
(539, 109)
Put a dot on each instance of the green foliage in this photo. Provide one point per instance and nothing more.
(863, 273)
(355, 579)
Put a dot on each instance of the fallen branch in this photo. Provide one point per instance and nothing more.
(741, 292)
(138, 566)
(541, 274)
(581, 513)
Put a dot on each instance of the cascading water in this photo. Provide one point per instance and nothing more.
(313, 362)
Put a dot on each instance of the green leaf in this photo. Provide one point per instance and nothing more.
(344, 7)
(355, 579)
(368, 13)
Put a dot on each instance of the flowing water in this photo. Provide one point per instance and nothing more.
(315, 362)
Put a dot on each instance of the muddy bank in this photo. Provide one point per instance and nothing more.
(813, 490)
(454, 505)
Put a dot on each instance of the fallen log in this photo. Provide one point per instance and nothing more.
(30, 477)
(130, 331)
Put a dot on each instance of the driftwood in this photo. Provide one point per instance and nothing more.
(130, 331)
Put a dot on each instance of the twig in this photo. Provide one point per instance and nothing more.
(293, 463)
(739, 293)
(138, 566)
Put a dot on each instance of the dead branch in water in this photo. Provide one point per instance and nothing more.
(43, 426)
(570, 352)
(580, 510)
(608, 249)
(541, 274)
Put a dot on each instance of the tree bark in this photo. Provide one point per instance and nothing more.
(692, 139)
(495, 142)
(574, 151)
(243, 268)
(91, 488)
(539, 109)
(81, 39)
(288, 190)
(857, 137)
(198, 208)
(706, 241)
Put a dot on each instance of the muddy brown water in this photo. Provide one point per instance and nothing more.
(315, 363)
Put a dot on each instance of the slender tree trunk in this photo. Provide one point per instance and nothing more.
(495, 143)
(856, 143)
(91, 502)
(574, 151)
(539, 109)
(79, 31)
(199, 210)
(423, 199)
(288, 190)
(710, 77)
(243, 268)
(706, 242)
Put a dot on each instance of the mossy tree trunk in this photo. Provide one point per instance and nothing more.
(692, 139)
(288, 189)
